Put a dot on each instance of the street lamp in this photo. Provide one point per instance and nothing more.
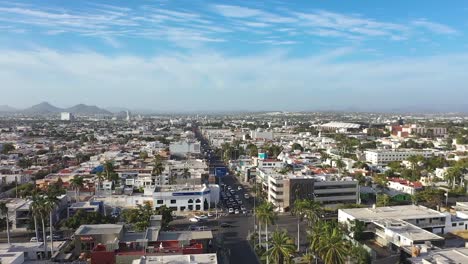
(446, 199)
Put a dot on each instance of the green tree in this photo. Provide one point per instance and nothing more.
(358, 228)
(4, 213)
(76, 183)
(297, 146)
(158, 168)
(383, 200)
(266, 216)
(282, 247)
(7, 147)
(50, 203)
(252, 150)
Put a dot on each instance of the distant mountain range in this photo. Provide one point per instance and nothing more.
(46, 108)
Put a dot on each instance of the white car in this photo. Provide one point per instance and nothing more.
(236, 211)
(239, 187)
(231, 210)
(246, 196)
(204, 217)
(193, 220)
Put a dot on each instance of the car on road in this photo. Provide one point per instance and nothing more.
(243, 208)
(224, 225)
(34, 239)
(239, 187)
(229, 187)
(204, 217)
(246, 196)
(236, 211)
(193, 220)
(231, 210)
(203, 228)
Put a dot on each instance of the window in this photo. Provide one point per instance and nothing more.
(198, 201)
(454, 224)
(160, 202)
(190, 201)
(460, 224)
(173, 201)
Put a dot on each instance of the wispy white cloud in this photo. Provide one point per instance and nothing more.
(208, 23)
(435, 27)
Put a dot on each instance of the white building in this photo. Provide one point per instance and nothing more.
(66, 116)
(258, 134)
(382, 157)
(185, 147)
(177, 197)
(420, 216)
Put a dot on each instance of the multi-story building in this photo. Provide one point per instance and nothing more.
(382, 157)
(407, 130)
(176, 197)
(420, 216)
(66, 116)
(330, 190)
(265, 135)
(185, 147)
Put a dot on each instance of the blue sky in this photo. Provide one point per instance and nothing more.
(235, 55)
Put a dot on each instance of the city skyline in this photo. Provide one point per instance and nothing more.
(235, 55)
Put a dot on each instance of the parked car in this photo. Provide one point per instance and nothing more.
(231, 210)
(246, 196)
(236, 211)
(193, 220)
(34, 239)
(239, 187)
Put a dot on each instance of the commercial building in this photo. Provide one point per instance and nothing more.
(111, 244)
(259, 134)
(340, 126)
(383, 157)
(184, 147)
(209, 258)
(420, 216)
(330, 190)
(66, 116)
(408, 130)
(177, 197)
(449, 255)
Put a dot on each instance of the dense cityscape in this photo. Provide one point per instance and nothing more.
(233, 132)
(239, 188)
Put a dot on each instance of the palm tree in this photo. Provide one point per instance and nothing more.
(38, 208)
(339, 163)
(4, 211)
(282, 247)
(454, 175)
(158, 168)
(307, 257)
(50, 204)
(35, 209)
(266, 215)
(414, 160)
(99, 178)
(76, 183)
(306, 208)
(108, 169)
(186, 174)
(326, 241)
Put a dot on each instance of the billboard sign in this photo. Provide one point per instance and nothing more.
(220, 171)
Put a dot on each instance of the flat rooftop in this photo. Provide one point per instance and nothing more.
(451, 255)
(184, 235)
(179, 259)
(99, 229)
(396, 212)
(408, 230)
